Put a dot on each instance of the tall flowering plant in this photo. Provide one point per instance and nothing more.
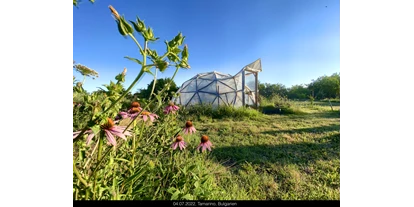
(100, 109)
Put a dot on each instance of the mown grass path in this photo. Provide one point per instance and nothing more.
(289, 157)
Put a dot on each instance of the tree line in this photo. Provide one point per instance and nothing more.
(321, 88)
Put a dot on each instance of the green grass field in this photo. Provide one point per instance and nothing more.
(255, 156)
(271, 157)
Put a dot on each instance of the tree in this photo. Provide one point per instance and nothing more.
(268, 90)
(298, 92)
(326, 86)
(159, 85)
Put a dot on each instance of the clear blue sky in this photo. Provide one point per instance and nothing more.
(297, 40)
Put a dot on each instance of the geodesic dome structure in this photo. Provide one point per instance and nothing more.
(222, 89)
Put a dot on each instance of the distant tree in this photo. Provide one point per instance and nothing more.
(268, 90)
(326, 86)
(298, 92)
(159, 85)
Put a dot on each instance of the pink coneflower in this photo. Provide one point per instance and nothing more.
(111, 131)
(145, 114)
(179, 141)
(189, 128)
(134, 111)
(205, 143)
(171, 108)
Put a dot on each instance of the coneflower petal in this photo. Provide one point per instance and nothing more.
(175, 145)
(151, 117)
(75, 134)
(110, 137)
(89, 138)
(144, 117)
(117, 132)
(182, 145)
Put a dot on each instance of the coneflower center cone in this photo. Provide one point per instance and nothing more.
(204, 139)
(135, 104)
(145, 113)
(188, 124)
(179, 138)
(109, 124)
(171, 103)
(135, 110)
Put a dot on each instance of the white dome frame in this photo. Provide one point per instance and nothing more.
(222, 89)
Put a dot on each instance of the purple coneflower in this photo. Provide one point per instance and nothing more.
(133, 112)
(110, 129)
(171, 108)
(205, 143)
(189, 128)
(145, 114)
(179, 141)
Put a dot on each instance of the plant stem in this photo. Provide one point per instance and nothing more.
(144, 54)
(87, 194)
(133, 146)
(75, 170)
(93, 151)
(136, 42)
(101, 140)
(153, 85)
(97, 165)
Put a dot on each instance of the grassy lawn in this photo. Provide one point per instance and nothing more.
(289, 157)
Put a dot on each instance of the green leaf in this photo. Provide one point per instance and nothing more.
(96, 129)
(133, 59)
(179, 39)
(171, 190)
(176, 50)
(137, 175)
(139, 25)
(175, 195)
(120, 77)
(196, 184)
(126, 25)
(173, 57)
(161, 65)
(184, 53)
(187, 197)
(191, 167)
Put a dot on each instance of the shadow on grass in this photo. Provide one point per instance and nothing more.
(321, 129)
(283, 154)
(324, 114)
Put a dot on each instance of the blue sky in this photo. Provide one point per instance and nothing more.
(297, 40)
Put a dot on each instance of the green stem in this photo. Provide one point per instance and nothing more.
(136, 42)
(133, 147)
(77, 190)
(87, 194)
(99, 162)
(144, 54)
(89, 159)
(100, 147)
(75, 170)
(167, 53)
(153, 85)
(83, 81)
